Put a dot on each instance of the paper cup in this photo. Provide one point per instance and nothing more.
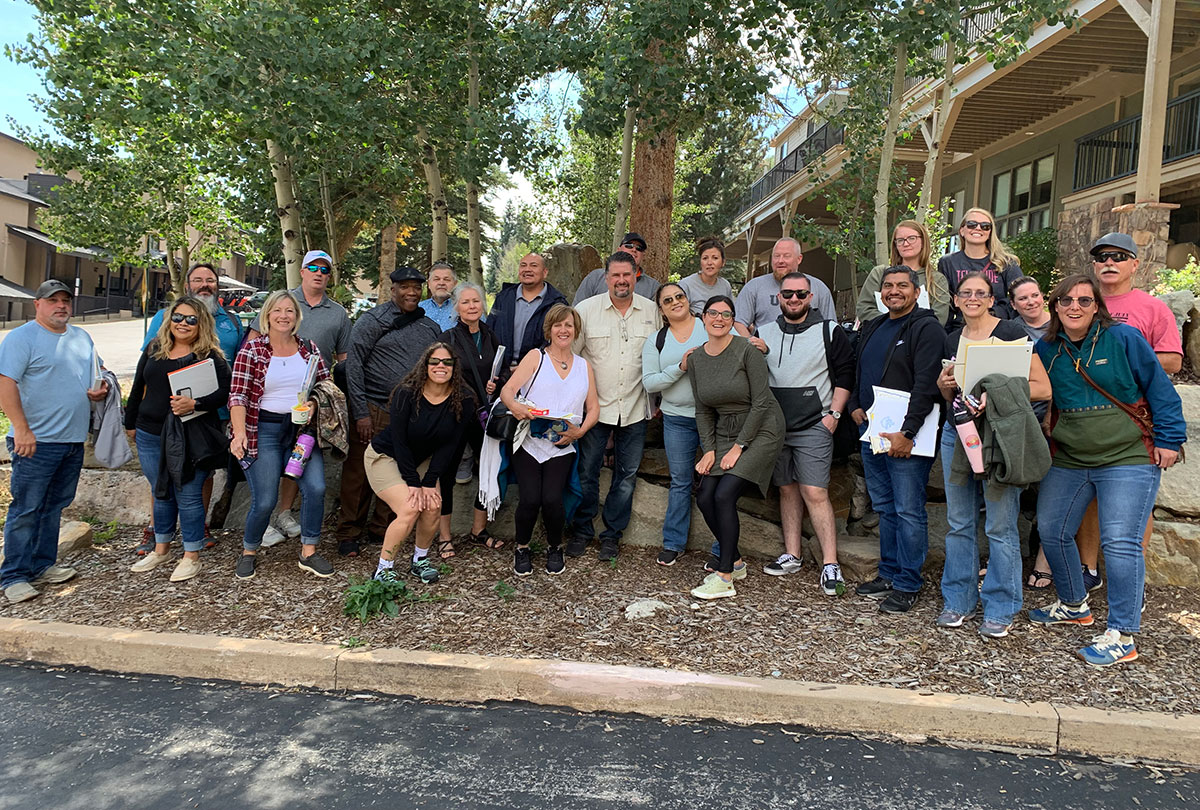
(300, 414)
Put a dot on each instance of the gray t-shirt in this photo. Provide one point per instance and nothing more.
(698, 292)
(593, 284)
(326, 325)
(758, 302)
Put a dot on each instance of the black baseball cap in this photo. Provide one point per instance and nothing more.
(632, 238)
(406, 273)
(1120, 241)
(49, 288)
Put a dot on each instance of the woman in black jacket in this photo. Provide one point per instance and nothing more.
(188, 335)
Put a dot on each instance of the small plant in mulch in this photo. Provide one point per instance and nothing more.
(367, 598)
(354, 641)
(105, 532)
(504, 590)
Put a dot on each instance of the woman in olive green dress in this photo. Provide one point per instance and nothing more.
(740, 424)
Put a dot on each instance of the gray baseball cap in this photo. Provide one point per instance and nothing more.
(1120, 241)
(49, 288)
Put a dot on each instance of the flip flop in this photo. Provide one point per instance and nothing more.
(1036, 576)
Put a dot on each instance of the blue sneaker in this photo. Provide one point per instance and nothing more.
(1091, 581)
(1058, 613)
(993, 629)
(949, 618)
(1107, 649)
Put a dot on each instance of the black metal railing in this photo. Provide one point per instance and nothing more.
(974, 26)
(1111, 153)
(812, 147)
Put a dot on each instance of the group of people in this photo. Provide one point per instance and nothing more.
(414, 395)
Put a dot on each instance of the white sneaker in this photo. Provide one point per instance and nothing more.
(150, 562)
(287, 523)
(272, 537)
(786, 564)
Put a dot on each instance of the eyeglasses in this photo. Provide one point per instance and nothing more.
(671, 299)
(723, 315)
(973, 225)
(790, 294)
(901, 241)
(448, 362)
(318, 268)
(179, 317)
(974, 294)
(1084, 301)
(1114, 256)
(632, 246)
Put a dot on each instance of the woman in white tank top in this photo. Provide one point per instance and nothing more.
(557, 382)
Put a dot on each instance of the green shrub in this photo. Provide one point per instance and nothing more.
(1187, 278)
(1038, 252)
(367, 598)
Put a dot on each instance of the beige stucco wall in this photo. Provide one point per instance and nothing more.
(16, 159)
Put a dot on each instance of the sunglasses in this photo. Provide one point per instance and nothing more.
(973, 225)
(1084, 301)
(671, 299)
(448, 362)
(725, 316)
(790, 294)
(179, 317)
(1114, 256)
(906, 240)
(973, 294)
(632, 246)
(318, 268)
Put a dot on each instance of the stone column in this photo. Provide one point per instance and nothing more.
(1148, 224)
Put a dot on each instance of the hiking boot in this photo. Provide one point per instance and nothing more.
(878, 588)
(209, 540)
(1092, 581)
(832, 583)
(423, 570)
(272, 537)
(577, 546)
(608, 551)
(185, 570)
(245, 566)
(1058, 613)
(1107, 649)
(949, 618)
(286, 522)
(994, 629)
(668, 556)
(898, 602)
(315, 564)
(55, 575)
(554, 560)
(150, 562)
(523, 562)
(20, 592)
(785, 564)
(714, 587)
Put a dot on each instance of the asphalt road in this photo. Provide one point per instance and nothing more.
(119, 342)
(85, 740)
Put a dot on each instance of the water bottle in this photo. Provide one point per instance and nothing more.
(968, 434)
(301, 452)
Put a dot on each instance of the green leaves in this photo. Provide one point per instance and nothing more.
(368, 598)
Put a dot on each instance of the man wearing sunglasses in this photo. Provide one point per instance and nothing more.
(324, 321)
(758, 302)
(811, 368)
(595, 283)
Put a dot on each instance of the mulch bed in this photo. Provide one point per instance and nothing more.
(776, 627)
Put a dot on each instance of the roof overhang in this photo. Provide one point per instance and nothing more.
(39, 238)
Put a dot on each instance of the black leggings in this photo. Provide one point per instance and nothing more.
(717, 499)
(542, 488)
(474, 440)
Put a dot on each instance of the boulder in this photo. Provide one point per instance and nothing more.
(568, 263)
(1191, 338)
(1181, 303)
(1173, 554)
(73, 535)
(1178, 493)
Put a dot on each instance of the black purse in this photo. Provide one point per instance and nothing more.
(501, 424)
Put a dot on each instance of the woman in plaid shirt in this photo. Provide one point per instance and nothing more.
(268, 375)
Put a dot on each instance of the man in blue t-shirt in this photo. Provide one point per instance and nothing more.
(48, 372)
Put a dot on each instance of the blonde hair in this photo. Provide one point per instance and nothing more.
(206, 343)
(931, 282)
(272, 300)
(998, 254)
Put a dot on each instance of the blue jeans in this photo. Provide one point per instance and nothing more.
(1001, 592)
(628, 443)
(275, 441)
(186, 503)
(681, 441)
(41, 486)
(1125, 497)
(897, 490)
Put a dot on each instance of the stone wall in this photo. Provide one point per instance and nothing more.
(1147, 223)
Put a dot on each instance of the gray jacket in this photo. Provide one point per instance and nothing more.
(108, 427)
(381, 354)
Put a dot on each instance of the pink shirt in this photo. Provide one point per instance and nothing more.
(1149, 316)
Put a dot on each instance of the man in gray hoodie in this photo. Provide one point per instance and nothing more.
(811, 366)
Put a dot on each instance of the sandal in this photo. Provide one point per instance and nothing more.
(1036, 576)
(484, 538)
(446, 549)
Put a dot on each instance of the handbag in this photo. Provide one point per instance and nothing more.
(1139, 413)
(501, 424)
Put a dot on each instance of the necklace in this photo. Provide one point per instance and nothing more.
(562, 363)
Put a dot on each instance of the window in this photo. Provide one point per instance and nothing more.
(783, 150)
(1021, 197)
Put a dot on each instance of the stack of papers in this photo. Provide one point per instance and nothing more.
(978, 358)
(887, 416)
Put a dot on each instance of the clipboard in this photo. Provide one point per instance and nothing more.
(977, 359)
(200, 377)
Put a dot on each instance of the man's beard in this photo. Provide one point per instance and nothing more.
(209, 301)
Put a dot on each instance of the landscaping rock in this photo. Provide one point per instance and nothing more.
(644, 608)
(73, 535)
(1177, 493)
(1181, 303)
(1173, 554)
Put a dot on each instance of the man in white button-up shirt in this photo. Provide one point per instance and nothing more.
(614, 328)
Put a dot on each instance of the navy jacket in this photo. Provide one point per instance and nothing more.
(500, 319)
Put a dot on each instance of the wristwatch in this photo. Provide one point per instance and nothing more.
(835, 414)
(908, 434)
(740, 445)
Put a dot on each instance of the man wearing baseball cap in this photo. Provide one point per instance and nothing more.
(594, 282)
(46, 380)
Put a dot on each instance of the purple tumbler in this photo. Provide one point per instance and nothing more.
(300, 453)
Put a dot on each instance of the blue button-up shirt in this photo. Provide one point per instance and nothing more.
(444, 316)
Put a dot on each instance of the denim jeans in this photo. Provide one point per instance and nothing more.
(681, 441)
(628, 443)
(41, 487)
(275, 441)
(897, 489)
(1001, 591)
(1125, 496)
(186, 502)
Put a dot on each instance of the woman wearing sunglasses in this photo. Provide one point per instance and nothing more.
(982, 252)
(1117, 424)
(188, 335)
(910, 248)
(741, 433)
(430, 411)
(664, 372)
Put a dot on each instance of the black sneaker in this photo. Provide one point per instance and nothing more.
(710, 565)
(608, 551)
(898, 602)
(523, 562)
(554, 560)
(1092, 581)
(878, 588)
(316, 564)
(577, 545)
(245, 566)
(668, 556)
(424, 570)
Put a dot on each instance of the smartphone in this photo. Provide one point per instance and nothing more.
(184, 392)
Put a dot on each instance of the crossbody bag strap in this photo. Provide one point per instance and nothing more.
(1131, 411)
(524, 392)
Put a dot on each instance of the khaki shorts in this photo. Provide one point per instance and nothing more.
(382, 472)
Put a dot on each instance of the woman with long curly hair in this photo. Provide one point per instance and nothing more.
(430, 411)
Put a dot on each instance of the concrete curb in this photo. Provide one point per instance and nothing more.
(896, 713)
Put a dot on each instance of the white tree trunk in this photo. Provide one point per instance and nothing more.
(330, 227)
(474, 249)
(288, 212)
(624, 178)
(887, 156)
(941, 112)
(439, 238)
(387, 260)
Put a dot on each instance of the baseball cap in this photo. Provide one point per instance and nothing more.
(49, 288)
(406, 273)
(313, 255)
(632, 238)
(1120, 241)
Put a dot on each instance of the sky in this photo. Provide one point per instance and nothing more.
(17, 82)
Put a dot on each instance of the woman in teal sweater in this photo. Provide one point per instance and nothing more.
(1101, 452)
